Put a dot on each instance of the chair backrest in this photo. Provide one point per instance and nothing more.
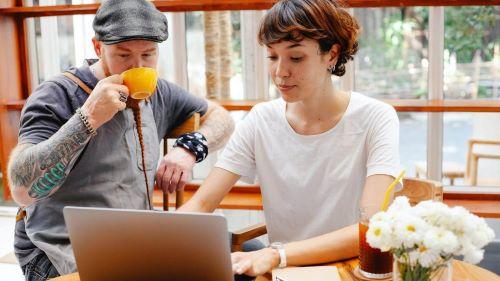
(420, 190)
(190, 125)
(473, 157)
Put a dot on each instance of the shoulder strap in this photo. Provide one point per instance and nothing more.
(78, 81)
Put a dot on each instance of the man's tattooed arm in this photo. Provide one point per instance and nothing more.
(217, 126)
(37, 171)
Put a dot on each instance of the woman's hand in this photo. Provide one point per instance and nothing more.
(255, 263)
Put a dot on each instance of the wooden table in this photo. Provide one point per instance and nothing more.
(461, 272)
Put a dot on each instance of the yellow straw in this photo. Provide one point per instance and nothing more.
(389, 189)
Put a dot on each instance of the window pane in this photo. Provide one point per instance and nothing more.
(413, 141)
(472, 52)
(55, 46)
(392, 60)
(459, 129)
(196, 54)
(59, 42)
(29, 3)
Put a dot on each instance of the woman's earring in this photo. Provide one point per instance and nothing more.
(331, 69)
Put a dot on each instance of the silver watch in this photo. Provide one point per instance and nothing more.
(281, 250)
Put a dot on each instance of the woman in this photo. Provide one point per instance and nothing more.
(318, 152)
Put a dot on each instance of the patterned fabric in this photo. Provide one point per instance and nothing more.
(123, 20)
(194, 142)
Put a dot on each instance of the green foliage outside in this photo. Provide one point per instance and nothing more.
(394, 54)
(467, 30)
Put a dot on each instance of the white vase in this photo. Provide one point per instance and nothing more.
(401, 272)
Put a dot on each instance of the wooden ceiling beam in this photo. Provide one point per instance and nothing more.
(211, 5)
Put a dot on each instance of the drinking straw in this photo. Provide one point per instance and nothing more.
(389, 189)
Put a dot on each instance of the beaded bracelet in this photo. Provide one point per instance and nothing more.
(86, 122)
(196, 143)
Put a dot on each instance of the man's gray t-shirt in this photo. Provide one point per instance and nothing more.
(108, 173)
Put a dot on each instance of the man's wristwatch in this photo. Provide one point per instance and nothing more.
(281, 250)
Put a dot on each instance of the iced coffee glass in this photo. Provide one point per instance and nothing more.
(373, 263)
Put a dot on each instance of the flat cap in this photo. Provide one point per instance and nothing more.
(124, 20)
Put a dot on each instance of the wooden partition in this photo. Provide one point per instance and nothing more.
(15, 69)
(219, 5)
(9, 126)
(13, 83)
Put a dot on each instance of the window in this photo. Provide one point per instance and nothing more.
(472, 52)
(392, 60)
(195, 39)
(458, 158)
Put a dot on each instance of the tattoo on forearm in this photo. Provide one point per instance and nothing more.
(43, 168)
(217, 128)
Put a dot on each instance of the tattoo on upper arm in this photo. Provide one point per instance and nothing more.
(43, 168)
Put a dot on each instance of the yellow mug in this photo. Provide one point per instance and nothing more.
(140, 81)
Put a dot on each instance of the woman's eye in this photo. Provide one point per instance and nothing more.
(272, 57)
(296, 59)
(123, 55)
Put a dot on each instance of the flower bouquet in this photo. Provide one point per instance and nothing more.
(424, 238)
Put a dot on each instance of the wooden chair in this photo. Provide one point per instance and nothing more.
(190, 125)
(415, 189)
(453, 170)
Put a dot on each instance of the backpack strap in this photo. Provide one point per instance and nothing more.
(78, 81)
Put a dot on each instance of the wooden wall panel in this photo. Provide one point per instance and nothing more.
(10, 66)
(7, 3)
(211, 5)
(9, 127)
(13, 75)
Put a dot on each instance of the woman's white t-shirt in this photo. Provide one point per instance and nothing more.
(312, 184)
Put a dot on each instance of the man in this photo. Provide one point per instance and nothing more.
(79, 148)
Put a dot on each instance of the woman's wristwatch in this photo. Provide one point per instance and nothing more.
(281, 250)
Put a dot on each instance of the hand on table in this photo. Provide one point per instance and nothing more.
(175, 169)
(255, 263)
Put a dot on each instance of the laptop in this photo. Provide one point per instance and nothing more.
(116, 244)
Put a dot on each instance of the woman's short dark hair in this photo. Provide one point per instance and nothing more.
(323, 20)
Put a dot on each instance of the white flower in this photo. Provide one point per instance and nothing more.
(401, 204)
(413, 257)
(457, 217)
(427, 257)
(381, 217)
(429, 232)
(474, 256)
(440, 240)
(379, 235)
(478, 231)
(409, 229)
(434, 213)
